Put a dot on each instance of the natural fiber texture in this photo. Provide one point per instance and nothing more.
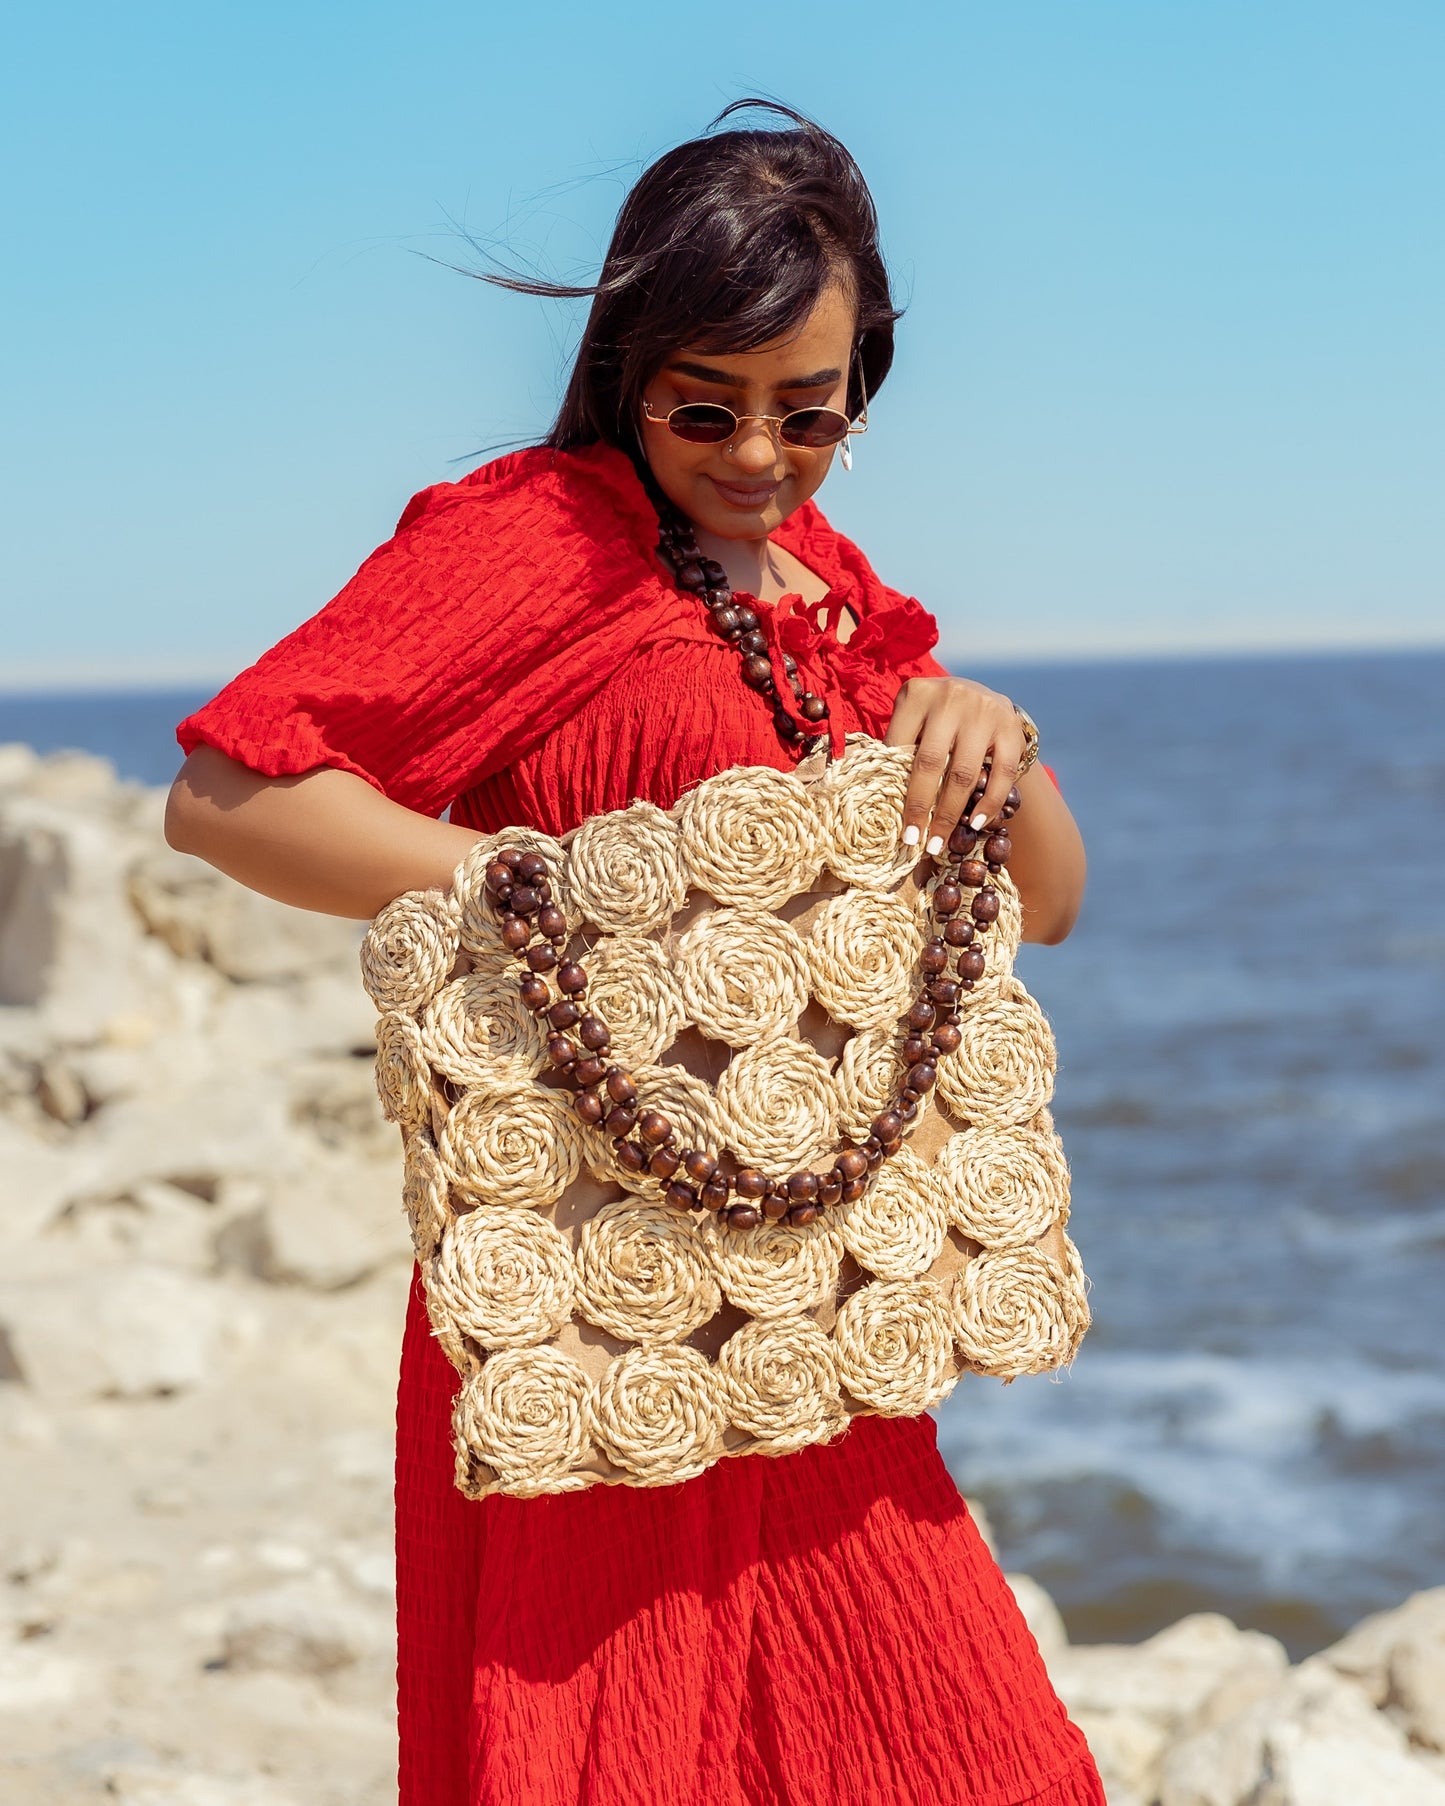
(751, 836)
(704, 943)
(423, 1192)
(634, 989)
(504, 1277)
(868, 1073)
(1004, 1071)
(897, 1228)
(524, 1417)
(643, 1274)
(741, 975)
(1004, 1186)
(776, 1104)
(409, 950)
(625, 870)
(477, 1026)
(894, 1345)
(861, 800)
(479, 924)
(403, 1078)
(659, 1414)
(779, 1269)
(780, 1384)
(1016, 1311)
(512, 1142)
(863, 955)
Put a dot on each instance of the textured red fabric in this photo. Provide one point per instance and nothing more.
(824, 1627)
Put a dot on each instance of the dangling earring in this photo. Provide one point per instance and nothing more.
(846, 454)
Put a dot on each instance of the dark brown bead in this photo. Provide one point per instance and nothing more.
(887, 1126)
(985, 906)
(923, 1076)
(717, 577)
(622, 1119)
(593, 1071)
(563, 1013)
(511, 857)
(875, 1159)
(630, 1157)
(525, 901)
(748, 617)
(946, 898)
(813, 708)
(947, 1038)
(691, 575)
(804, 1213)
(499, 875)
(998, 849)
(725, 621)
(541, 958)
(531, 867)
(504, 897)
(962, 840)
(921, 1015)
(906, 1096)
(750, 1183)
(743, 1216)
(680, 1196)
(757, 671)
(890, 1148)
(908, 1108)
(914, 1048)
(802, 1187)
(571, 978)
(552, 922)
(852, 1163)
(971, 964)
(830, 1189)
(1012, 803)
(753, 642)
(972, 873)
(561, 1051)
(621, 1086)
(786, 725)
(593, 1033)
(715, 1193)
(959, 932)
(516, 933)
(664, 1162)
(700, 1166)
(775, 1206)
(934, 958)
(536, 993)
(589, 1106)
(944, 992)
(653, 1128)
(853, 1189)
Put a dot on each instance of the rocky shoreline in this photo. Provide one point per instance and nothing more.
(203, 1279)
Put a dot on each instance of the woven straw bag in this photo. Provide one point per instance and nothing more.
(752, 951)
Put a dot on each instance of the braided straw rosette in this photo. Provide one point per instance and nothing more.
(754, 954)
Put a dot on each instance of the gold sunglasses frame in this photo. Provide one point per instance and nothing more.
(774, 422)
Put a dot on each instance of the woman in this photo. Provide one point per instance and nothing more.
(822, 1627)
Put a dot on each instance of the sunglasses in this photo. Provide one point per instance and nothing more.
(709, 423)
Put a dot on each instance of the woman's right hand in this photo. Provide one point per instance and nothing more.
(324, 840)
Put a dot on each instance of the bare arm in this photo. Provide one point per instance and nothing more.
(325, 840)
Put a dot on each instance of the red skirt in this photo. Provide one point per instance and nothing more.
(824, 1628)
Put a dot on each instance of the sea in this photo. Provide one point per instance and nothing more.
(1251, 1026)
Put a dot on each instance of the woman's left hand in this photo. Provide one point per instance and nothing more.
(955, 724)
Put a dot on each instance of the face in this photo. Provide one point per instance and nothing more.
(747, 486)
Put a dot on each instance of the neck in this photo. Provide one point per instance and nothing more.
(748, 562)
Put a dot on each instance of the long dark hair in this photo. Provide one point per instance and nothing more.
(722, 244)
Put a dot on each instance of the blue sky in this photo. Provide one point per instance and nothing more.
(1172, 374)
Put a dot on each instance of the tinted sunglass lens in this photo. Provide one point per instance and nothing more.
(814, 428)
(702, 423)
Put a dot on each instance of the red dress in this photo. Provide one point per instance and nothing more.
(824, 1627)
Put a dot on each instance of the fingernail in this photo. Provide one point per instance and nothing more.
(935, 846)
(977, 821)
(910, 836)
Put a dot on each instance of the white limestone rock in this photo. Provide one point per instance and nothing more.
(1398, 1659)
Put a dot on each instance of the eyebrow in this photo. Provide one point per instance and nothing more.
(704, 373)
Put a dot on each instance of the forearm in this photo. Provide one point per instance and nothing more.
(325, 840)
(1047, 863)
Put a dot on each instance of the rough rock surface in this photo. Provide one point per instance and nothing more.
(203, 1270)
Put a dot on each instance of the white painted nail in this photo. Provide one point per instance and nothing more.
(977, 821)
(935, 846)
(910, 836)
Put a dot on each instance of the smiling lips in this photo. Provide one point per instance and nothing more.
(750, 496)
